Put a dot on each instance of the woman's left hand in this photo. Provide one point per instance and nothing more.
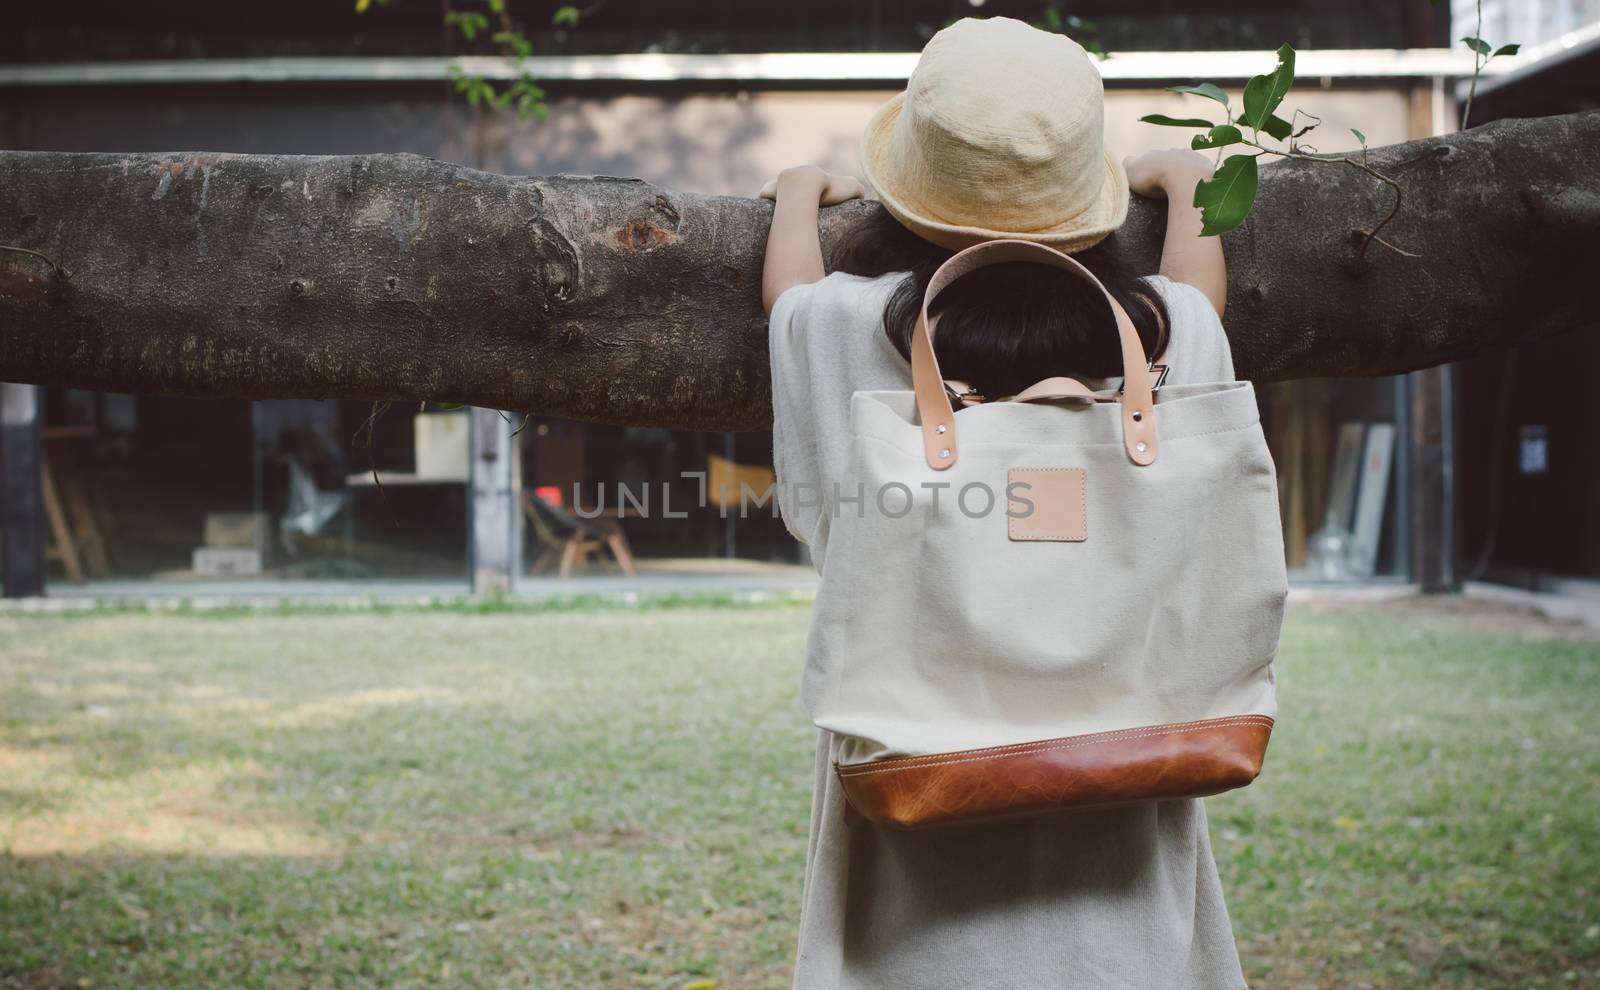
(830, 189)
(1186, 256)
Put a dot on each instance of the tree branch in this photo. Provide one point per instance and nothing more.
(397, 277)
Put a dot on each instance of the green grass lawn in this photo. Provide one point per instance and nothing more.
(608, 798)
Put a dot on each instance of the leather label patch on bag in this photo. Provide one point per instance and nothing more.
(1047, 504)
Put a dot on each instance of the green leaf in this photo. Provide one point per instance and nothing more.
(565, 17)
(478, 90)
(1262, 94)
(1478, 45)
(1225, 198)
(1359, 136)
(1276, 126)
(1506, 50)
(1165, 121)
(1220, 136)
(469, 22)
(515, 40)
(1210, 91)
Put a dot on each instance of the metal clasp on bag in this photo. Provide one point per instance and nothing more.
(967, 395)
(1161, 378)
(970, 395)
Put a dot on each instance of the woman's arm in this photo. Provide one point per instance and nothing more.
(794, 255)
(1185, 255)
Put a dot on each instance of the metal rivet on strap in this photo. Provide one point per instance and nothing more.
(1137, 416)
(939, 429)
(1141, 446)
(945, 452)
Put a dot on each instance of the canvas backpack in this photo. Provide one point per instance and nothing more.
(1068, 600)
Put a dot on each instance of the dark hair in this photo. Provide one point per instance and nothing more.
(1006, 326)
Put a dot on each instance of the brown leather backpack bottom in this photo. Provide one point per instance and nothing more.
(1096, 770)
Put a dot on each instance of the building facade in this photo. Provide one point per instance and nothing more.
(713, 98)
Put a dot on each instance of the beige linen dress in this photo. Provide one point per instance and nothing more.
(1124, 897)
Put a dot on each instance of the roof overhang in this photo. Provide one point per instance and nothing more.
(828, 68)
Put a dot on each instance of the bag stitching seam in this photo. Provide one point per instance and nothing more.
(1164, 726)
(1083, 507)
(1026, 749)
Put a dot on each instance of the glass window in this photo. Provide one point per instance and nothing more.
(673, 494)
(1339, 445)
(176, 490)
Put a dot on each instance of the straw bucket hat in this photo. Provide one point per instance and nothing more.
(1000, 133)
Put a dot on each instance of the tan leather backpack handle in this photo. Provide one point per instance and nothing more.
(1052, 389)
(933, 403)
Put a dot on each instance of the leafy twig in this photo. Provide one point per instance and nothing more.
(475, 20)
(1226, 198)
(1085, 32)
(1481, 56)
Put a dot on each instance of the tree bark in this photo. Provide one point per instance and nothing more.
(609, 299)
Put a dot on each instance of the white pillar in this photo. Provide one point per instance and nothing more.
(495, 527)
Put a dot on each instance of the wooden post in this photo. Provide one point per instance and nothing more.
(21, 493)
(1432, 443)
(1431, 392)
(495, 528)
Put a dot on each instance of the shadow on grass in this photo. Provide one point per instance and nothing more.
(594, 797)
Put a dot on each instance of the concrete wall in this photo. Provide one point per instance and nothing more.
(723, 143)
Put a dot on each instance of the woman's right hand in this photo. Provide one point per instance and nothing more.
(1157, 173)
